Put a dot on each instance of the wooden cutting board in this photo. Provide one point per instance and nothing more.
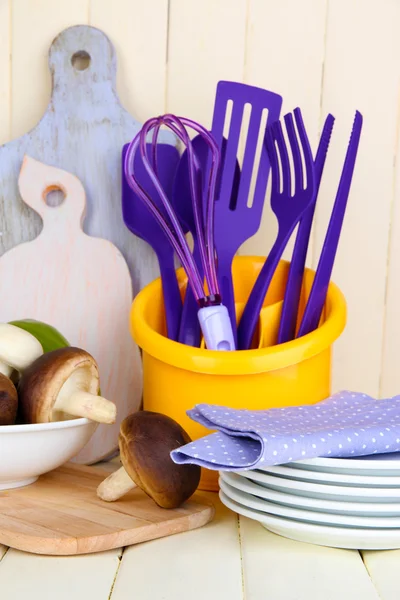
(61, 514)
(82, 131)
(80, 285)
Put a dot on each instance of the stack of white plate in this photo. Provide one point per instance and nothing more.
(344, 503)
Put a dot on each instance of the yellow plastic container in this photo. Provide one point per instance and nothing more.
(177, 377)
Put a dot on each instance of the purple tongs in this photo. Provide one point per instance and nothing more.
(316, 299)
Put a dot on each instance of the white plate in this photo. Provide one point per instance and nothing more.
(367, 509)
(330, 477)
(378, 464)
(320, 490)
(336, 537)
(300, 514)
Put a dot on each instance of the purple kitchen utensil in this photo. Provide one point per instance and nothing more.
(141, 222)
(189, 331)
(316, 299)
(287, 326)
(212, 313)
(288, 209)
(237, 221)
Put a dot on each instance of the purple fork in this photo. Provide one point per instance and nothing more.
(288, 209)
(316, 299)
(287, 326)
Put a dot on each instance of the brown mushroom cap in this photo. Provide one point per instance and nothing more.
(55, 372)
(145, 441)
(8, 401)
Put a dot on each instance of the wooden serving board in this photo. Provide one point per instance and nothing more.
(61, 514)
(80, 285)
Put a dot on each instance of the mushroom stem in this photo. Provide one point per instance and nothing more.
(5, 369)
(83, 404)
(116, 485)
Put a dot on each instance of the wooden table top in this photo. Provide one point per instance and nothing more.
(231, 558)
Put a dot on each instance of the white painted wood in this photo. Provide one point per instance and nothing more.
(33, 27)
(81, 286)
(24, 575)
(361, 75)
(285, 54)
(83, 131)
(138, 31)
(202, 564)
(206, 43)
(3, 550)
(279, 568)
(383, 569)
(390, 372)
(5, 70)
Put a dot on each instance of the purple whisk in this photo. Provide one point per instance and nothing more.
(213, 316)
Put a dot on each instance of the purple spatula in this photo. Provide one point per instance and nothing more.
(141, 222)
(316, 299)
(287, 206)
(235, 222)
(287, 326)
(189, 331)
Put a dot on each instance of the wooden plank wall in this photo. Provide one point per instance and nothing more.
(322, 55)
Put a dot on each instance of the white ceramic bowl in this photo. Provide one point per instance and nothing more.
(27, 451)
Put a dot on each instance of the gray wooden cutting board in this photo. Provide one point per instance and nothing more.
(82, 131)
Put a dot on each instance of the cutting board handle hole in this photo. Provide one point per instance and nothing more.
(54, 197)
(80, 60)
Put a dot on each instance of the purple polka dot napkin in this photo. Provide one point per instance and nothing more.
(347, 424)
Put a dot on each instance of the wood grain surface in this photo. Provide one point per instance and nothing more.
(61, 514)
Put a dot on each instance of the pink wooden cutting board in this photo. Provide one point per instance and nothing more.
(79, 284)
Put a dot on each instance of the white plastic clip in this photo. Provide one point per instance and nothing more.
(216, 326)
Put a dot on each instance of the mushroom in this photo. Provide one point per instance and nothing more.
(62, 384)
(8, 401)
(146, 440)
(18, 349)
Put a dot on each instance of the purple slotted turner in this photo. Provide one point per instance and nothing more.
(141, 222)
(288, 209)
(316, 299)
(234, 224)
(287, 326)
